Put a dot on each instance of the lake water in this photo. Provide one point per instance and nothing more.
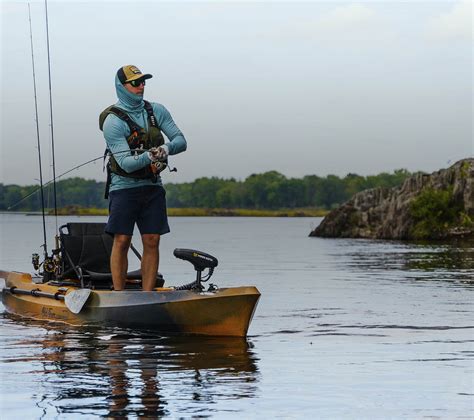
(344, 329)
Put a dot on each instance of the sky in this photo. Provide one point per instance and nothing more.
(299, 87)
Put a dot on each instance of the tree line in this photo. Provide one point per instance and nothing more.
(269, 190)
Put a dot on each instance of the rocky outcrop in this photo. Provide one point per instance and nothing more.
(384, 213)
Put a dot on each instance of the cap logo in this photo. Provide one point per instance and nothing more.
(134, 70)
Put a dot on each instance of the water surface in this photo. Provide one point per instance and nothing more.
(344, 329)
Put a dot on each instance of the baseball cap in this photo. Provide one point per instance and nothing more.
(128, 73)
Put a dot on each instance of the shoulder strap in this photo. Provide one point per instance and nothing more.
(118, 112)
(151, 115)
(108, 182)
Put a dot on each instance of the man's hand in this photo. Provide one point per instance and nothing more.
(158, 153)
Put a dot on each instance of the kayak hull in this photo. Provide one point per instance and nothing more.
(223, 312)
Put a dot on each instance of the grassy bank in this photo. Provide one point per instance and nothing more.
(205, 212)
(304, 212)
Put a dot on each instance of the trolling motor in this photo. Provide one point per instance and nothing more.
(201, 261)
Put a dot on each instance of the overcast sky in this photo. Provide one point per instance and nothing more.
(299, 87)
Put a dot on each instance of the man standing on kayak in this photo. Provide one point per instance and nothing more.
(132, 130)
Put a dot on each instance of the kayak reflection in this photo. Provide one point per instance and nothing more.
(119, 373)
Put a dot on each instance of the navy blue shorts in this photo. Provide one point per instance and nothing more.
(145, 206)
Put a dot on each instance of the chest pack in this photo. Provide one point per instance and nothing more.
(139, 141)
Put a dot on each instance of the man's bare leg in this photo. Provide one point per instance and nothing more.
(119, 260)
(150, 260)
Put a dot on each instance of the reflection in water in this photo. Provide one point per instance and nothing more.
(118, 373)
(129, 376)
(444, 258)
(420, 261)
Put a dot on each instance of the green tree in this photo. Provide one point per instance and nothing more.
(433, 212)
(269, 190)
(332, 192)
(262, 189)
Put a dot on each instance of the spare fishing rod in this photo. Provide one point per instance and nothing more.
(51, 117)
(45, 246)
(78, 167)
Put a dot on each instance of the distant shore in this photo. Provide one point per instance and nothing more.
(199, 212)
(196, 212)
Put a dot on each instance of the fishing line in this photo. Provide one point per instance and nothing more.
(73, 169)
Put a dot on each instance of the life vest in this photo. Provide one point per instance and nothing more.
(138, 139)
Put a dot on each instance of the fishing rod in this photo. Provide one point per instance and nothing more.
(45, 246)
(78, 167)
(51, 116)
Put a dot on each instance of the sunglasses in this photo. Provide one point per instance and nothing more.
(138, 82)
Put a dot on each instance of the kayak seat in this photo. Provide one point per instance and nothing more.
(86, 249)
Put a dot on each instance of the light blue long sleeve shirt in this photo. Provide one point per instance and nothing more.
(116, 132)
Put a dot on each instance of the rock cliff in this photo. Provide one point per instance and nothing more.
(386, 213)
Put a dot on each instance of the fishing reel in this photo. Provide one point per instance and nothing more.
(161, 164)
(35, 260)
(51, 264)
(158, 167)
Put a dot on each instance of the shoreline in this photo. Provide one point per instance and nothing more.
(190, 212)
